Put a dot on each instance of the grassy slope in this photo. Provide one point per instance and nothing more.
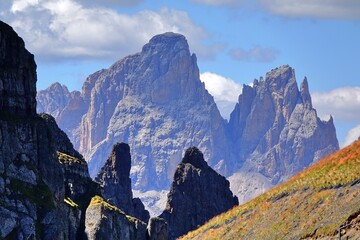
(312, 204)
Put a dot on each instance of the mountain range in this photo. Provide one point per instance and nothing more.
(155, 101)
(46, 191)
(45, 188)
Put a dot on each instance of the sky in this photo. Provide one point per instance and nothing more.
(235, 42)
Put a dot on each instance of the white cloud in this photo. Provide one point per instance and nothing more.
(342, 103)
(124, 3)
(20, 5)
(329, 9)
(65, 29)
(224, 90)
(352, 135)
(256, 54)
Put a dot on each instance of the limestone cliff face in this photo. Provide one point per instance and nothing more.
(155, 101)
(197, 194)
(115, 182)
(275, 130)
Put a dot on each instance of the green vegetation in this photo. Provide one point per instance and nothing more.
(40, 194)
(314, 203)
(66, 159)
(70, 202)
(99, 201)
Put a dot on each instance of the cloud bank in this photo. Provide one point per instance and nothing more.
(224, 90)
(352, 135)
(66, 29)
(342, 103)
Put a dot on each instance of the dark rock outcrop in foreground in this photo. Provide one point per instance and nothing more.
(45, 187)
(38, 164)
(17, 75)
(157, 229)
(114, 179)
(197, 194)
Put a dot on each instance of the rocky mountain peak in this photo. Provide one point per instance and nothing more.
(121, 160)
(305, 94)
(115, 182)
(153, 100)
(272, 125)
(197, 194)
(53, 99)
(166, 42)
(194, 157)
(17, 75)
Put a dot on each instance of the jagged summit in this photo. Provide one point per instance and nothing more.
(275, 130)
(155, 101)
(169, 40)
(305, 94)
(116, 184)
(197, 194)
(194, 157)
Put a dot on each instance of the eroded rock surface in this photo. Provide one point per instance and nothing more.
(197, 194)
(115, 182)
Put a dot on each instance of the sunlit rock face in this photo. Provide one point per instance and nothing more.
(155, 101)
(275, 130)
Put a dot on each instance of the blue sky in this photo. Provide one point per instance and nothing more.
(235, 41)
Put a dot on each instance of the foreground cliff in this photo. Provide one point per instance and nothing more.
(317, 203)
(32, 176)
(197, 194)
(45, 188)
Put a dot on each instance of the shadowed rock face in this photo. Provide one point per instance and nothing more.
(116, 183)
(17, 75)
(197, 194)
(45, 187)
(38, 163)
